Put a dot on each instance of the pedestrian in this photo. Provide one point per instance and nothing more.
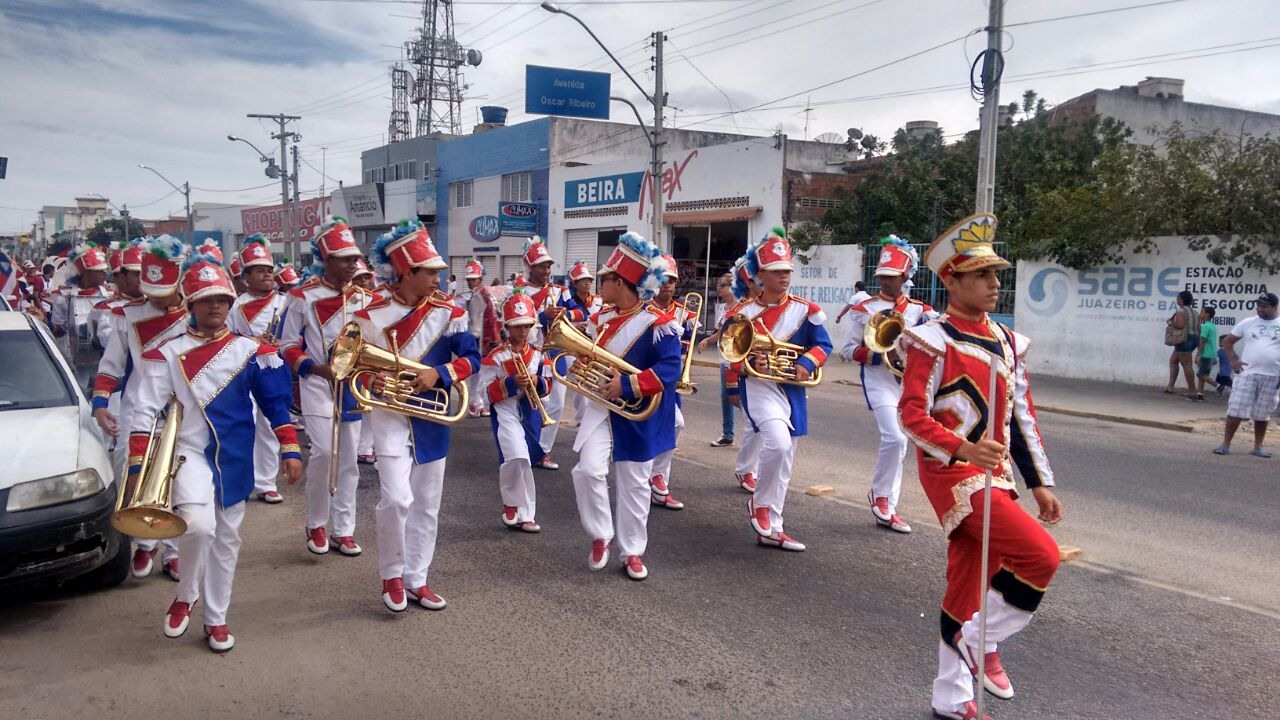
(859, 296)
(724, 301)
(1206, 353)
(1180, 333)
(1255, 391)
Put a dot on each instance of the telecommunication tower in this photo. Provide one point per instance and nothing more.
(398, 128)
(437, 83)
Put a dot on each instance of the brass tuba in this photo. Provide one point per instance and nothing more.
(693, 309)
(353, 358)
(593, 368)
(881, 336)
(144, 507)
(741, 339)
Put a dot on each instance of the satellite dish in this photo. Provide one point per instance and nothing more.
(474, 57)
(855, 134)
(829, 138)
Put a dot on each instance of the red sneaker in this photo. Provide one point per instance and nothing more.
(997, 680)
(747, 482)
(220, 638)
(759, 518)
(667, 501)
(176, 619)
(143, 562)
(393, 595)
(782, 540)
(530, 526)
(271, 497)
(658, 485)
(879, 508)
(896, 524)
(427, 599)
(599, 555)
(171, 569)
(509, 515)
(635, 567)
(346, 545)
(316, 541)
(968, 712)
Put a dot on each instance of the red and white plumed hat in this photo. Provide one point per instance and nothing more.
(519, 310)
(236, 268)
(672, 273)
(128, 256)
(536, 252)
(285, 276)
(362, 268)
(162, 266)
(580, 271)
(334, 240)
(638, 262)
(774, 252)
(212, 248)
(255, 252)
(407, 246)
(474, 269)
(966, 247)
(88, 257)
(897, 257)
(203, 276)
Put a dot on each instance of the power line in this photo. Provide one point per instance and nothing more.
(1092, 13)
(739, 40)
(329, 98)
(255, 187)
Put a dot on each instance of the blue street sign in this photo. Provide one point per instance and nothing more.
(518, 218)
(621, 189)
(4, 166)
(561, 91)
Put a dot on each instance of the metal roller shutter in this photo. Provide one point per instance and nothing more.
(580, 245)
(458, 266)
(512, 264)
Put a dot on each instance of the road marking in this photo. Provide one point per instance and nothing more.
(820, 490)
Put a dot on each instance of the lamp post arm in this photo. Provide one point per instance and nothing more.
(608, 52)
(648, 135)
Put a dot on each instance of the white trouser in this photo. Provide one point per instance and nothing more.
(777, 454)
(591, 486)
(120, 456)
(342, 506)
(886, 479)
(554, 404)
(579, 406)
(209, 548)
(662, 463)
(515, 482)
(365, 445)
(266, 454)
(954, 685)
(749, 454)
(475, 392)
(408, 516)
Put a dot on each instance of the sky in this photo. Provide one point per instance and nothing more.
(92, 88)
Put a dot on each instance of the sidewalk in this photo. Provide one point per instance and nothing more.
(1115, 402)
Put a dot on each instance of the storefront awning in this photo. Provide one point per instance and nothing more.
(702, 217)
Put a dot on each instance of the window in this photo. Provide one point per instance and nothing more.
(378, 175)
(818, 202)
(368, 176)
(31, 377)
(426, 171)
(462, 193)
(517, 187)
(406, 170)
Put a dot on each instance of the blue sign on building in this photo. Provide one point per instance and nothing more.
(485, 228)
(516, 218)
(609, 190)
(561, 91)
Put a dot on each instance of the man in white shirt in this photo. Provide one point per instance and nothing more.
(1255, 391)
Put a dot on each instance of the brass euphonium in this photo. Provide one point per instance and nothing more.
(144, 507)
(881, 336)
(593, 369)
(353, 359)
(693, 309)
(522, 370)
(741, 339)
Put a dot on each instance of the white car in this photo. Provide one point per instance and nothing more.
(57, 485)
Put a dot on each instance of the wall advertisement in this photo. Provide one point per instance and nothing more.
(308, 216)
(827, 279)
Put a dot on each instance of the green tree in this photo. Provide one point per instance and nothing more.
(114, 230)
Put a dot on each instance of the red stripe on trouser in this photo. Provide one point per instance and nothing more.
(1019, 544)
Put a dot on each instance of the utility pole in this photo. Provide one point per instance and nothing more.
(287, 234)
(323, 152)
(659, 102)
(992, 69)
(294, 213)
(124, 213)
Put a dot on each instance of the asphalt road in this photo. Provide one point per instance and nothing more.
(1172, 614)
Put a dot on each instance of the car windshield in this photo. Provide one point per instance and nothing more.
(29, 375)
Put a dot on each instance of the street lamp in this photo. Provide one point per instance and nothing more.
(657, 100)
(124, 213)
(186, 193)
(272, 171)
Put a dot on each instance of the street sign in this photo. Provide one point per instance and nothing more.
(561, 91)
(4, 166)
(518, 218)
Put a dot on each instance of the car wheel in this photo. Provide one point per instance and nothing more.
(115, 570)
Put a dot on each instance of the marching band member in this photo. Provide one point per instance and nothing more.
(666, 302)
(421, 324)
(258, 313)
(649, 340)
(880, 387)
(482, 322)
(139, 327)
(315, 314)
(510, 376)
(126, 268)
(944, 407)
(747, 463)
(73, 317)
(236, 270)
(548, 300)
(777, 411)
(286, 277)
(364, 446)
(582, 304)
(216, 376)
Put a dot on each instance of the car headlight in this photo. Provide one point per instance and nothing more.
(54, 490)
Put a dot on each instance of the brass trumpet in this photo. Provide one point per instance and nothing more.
(272, 334)
(741, 339)
(522, 370)
(693, 309)
(353, 359)
(593, 369)
(144, 507)
(881, 336)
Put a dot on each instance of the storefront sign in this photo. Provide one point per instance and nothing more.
(1080, 321)
(308, 215)
(560, 91)
(518, 218)
(621, 189)
(485, 228)
(827, 279)
(363, 205)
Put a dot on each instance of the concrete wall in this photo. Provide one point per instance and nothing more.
(1141, 113)
(1108, 323)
